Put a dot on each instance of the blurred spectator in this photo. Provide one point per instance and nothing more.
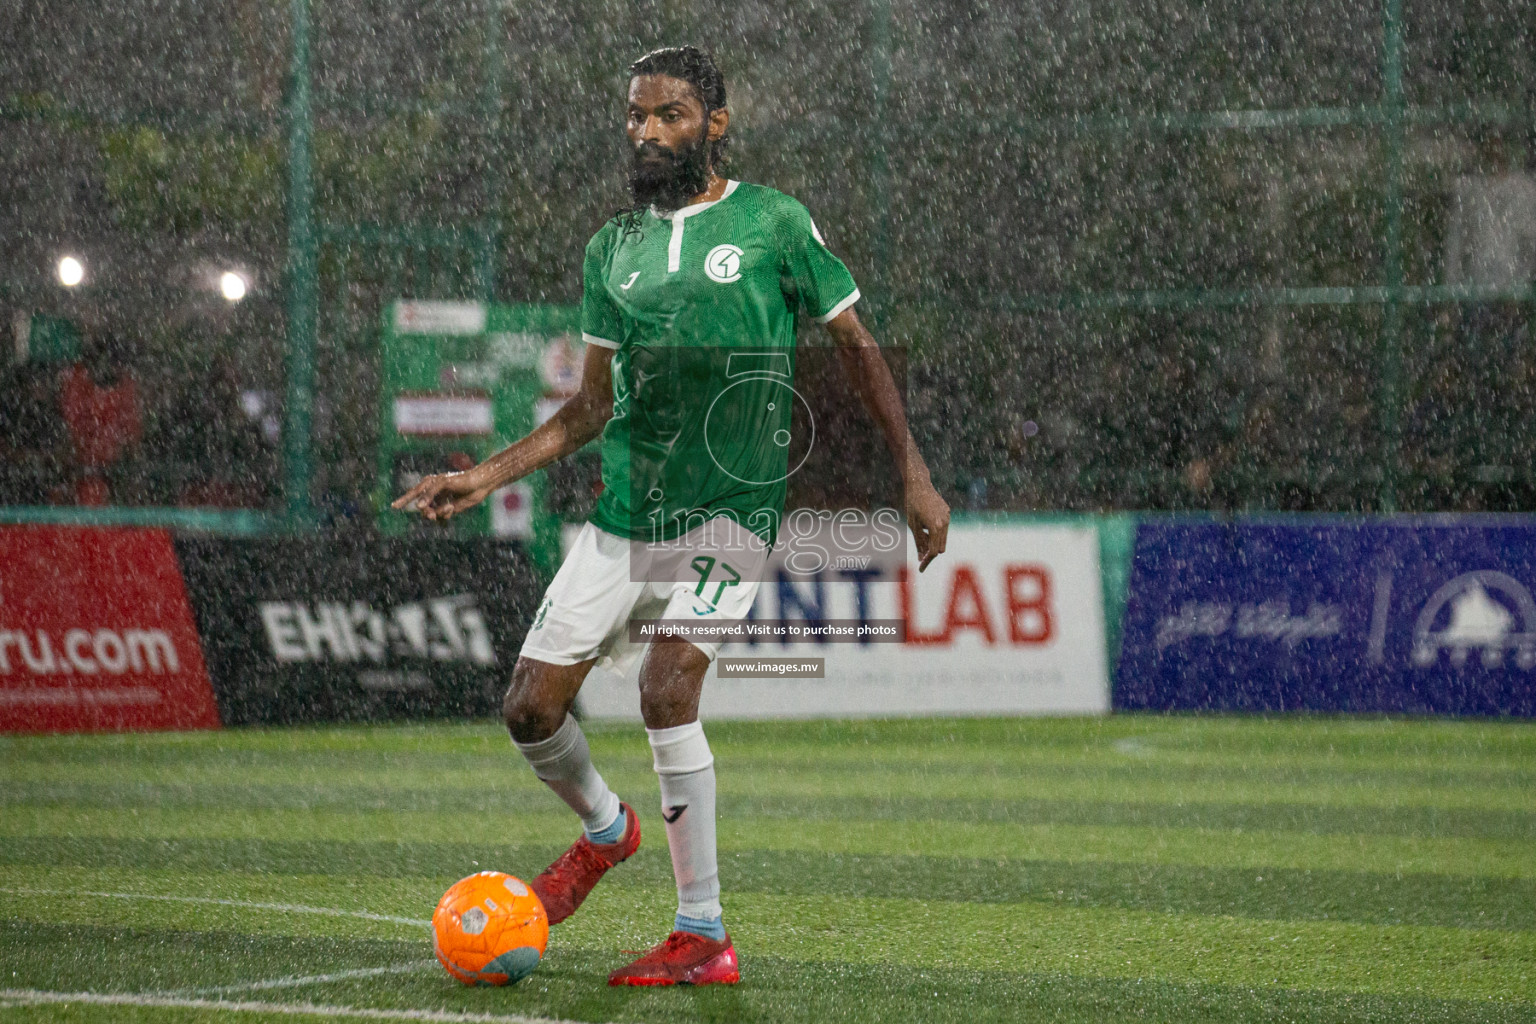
(31, 437)
(1491, 243)
(1491, 239)
(104, 414)
(1175, 422)
(1232, 465)
(212, 439)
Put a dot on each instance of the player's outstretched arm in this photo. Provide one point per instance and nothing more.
(441, 496)
(927, 512)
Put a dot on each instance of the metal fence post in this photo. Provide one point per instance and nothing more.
(490, 111)
(1389, 395)
(879, 160)
(302, 270)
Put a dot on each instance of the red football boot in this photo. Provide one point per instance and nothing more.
(565, 883)
(683, 958)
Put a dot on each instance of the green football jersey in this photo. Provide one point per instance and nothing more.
(700, 305)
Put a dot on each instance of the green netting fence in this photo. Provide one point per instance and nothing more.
(1144, 256)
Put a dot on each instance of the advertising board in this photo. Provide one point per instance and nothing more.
(311, 630)
(1010, 620)
(1425, 616)
(96, 633)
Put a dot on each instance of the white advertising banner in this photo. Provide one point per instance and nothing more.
(432, 317)
(1009, 620)
(443, 415)
(512, 511)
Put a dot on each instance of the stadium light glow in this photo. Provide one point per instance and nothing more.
(71, 271)
(232, 285)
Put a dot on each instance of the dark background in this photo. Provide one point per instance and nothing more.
(1091, 260)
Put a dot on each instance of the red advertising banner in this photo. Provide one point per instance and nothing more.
(96, 633)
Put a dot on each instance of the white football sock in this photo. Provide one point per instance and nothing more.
(564, 762)
(687, 771)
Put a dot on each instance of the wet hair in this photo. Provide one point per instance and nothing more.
(692, 65)
(696, 67)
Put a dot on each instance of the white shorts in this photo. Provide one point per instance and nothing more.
(710, 575)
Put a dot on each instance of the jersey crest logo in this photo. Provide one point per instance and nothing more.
(626, 284)
(723, 264)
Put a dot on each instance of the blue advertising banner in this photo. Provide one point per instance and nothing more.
(1420, 616)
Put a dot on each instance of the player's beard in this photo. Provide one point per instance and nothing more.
(667, 178)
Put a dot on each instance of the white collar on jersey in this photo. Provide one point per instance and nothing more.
(689, 211)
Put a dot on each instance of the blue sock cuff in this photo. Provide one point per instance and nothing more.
(710, 929)
(613, 833)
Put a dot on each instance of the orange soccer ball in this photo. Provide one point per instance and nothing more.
(489, 929)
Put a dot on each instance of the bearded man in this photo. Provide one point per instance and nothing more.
(697, 270)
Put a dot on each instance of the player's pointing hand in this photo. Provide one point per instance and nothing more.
(928, 516)
(442, 496)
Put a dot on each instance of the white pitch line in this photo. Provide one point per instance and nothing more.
(37, 997)
(297, 981)
(287, 908)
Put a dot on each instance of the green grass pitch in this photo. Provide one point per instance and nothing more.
(1133, 868)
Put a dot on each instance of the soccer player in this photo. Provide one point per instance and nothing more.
(697, 268)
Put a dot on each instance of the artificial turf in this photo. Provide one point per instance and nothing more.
(1127, 868)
